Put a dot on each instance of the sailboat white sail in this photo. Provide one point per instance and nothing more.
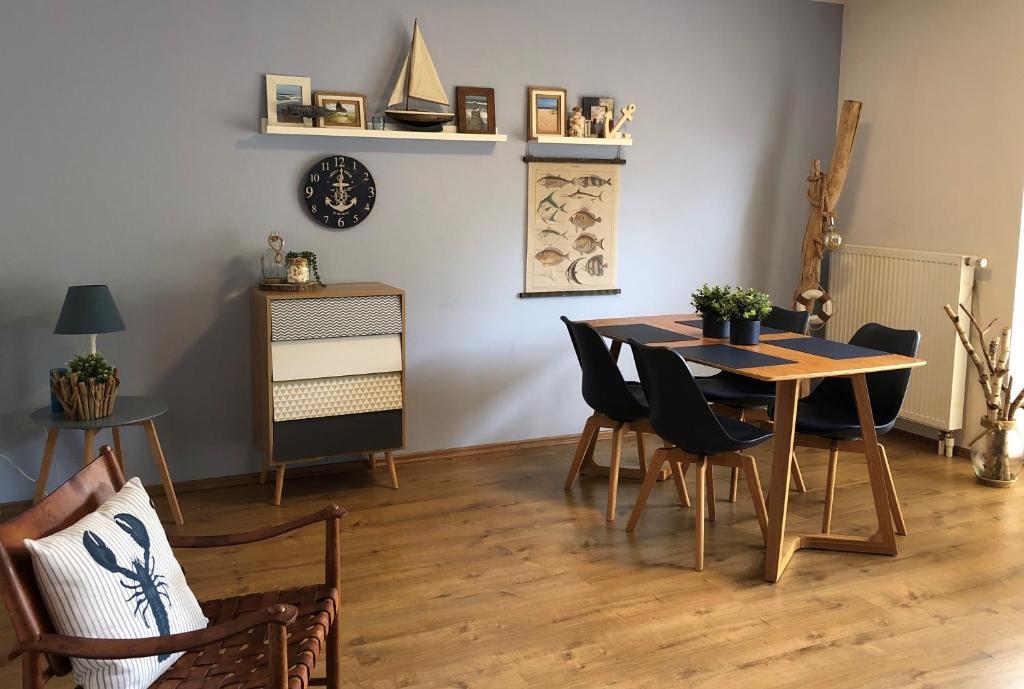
(418, 79)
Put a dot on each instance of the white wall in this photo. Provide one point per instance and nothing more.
(939, 160)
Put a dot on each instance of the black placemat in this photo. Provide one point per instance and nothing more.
(700, 324)
(642, 333)
(826, 348)
(731, 357)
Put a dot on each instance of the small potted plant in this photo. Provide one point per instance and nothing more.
(711, 304)
(88, 388)
(746, 307)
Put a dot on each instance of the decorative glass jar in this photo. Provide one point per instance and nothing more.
(272, 263)
(998, 454)
(298, 270)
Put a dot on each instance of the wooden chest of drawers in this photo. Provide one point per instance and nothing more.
(328, 374)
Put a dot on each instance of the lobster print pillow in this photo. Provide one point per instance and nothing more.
(113, 575)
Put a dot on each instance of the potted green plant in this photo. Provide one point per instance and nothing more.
(746, 307)
(711, 304)
(88, 387)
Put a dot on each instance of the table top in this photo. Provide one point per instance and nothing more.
(771, 360)
(128, 410)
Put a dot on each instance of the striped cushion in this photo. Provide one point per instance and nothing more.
(96, 582)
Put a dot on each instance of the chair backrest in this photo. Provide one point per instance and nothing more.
(604, 388)
(790, 321)
(887, 388)
(679, 412)
(79, 496)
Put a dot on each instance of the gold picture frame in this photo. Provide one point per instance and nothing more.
(350, 109)
(283, 91)
(545, 112)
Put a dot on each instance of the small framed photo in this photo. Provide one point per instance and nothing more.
(546, 111)
(475, 110)
(283, 91)
(594, 109)
(348, 109)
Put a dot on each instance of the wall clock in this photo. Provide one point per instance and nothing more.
(338, 192)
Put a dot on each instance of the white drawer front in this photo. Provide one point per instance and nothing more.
(310, 399)
(339, 356)
(312, 319)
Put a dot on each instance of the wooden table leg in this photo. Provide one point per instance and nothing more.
(615, 349)
(90, 442)
(876, 469)
(115, 432)
(44, 468)
(786, 397)
(161, 465)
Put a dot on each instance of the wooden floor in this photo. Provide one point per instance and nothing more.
(483, 572)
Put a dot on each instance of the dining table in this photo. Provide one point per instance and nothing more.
(787, 360)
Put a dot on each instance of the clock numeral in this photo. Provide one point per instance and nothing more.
(341, 222)
(315, 177)
(366, 208)
(366, 176)
(339, 161)
(372, 191)
(324, 165)
(327, 218)
(355, 219)
(309, 192)
(353, 165)
(313, 208)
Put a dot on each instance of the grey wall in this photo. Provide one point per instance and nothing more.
(130, 155)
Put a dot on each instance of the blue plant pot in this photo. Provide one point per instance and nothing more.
(715, 328)
(745, 332)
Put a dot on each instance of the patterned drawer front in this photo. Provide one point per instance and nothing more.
(341, 356)
(311, 399)
(311, 319)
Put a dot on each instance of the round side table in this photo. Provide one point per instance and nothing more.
(128, 411)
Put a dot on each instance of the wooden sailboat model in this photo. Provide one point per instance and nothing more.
(418, 80)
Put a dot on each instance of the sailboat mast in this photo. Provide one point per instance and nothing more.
(412, 58)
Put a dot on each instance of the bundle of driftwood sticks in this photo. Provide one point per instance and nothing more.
(994, 371)
(85, 399)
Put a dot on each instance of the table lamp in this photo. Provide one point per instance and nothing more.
(89, 310)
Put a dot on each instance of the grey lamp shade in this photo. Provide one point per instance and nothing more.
(87, 310)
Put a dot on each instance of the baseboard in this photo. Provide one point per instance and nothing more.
(343, 466)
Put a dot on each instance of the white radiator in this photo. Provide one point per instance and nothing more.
(907, 290)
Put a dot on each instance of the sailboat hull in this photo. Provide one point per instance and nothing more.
(420, 118)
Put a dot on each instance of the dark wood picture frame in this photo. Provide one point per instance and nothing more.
(460, 103)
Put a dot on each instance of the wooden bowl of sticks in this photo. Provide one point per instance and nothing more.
(88, 389)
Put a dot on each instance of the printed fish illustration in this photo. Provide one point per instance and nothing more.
(587, 243)
(596, 265)
(548, 205)
(591, 181)
(584, 195)
(549, 236)
(551, 257)
(583, 219)
(570, 272)
(553, 181)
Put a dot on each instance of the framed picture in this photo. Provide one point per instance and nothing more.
(594, 109)
(348, 109)
(546, 111)
(475, 109)
(283, 91)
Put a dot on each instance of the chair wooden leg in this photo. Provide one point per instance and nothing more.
(613, 471)
(830, 488)
(277, 656)
(657, 461)
(894, 502)
(278, 483)
(44, 468)
(589, 434)
(734, 484)
(679, 476)
(756, 494)
(641, 453)
(709, 480)
(33, 670)
(798, 478)
(389, 458)
(698, 514)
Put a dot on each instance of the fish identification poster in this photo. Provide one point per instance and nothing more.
(571, 227)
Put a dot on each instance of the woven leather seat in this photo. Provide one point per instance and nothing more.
(240, 662)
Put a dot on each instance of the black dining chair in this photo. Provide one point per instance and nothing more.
(617, 404)
(697, 435)
(827, 418)
(740, 395)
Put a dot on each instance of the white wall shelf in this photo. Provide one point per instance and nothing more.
(586, 141)
(377, 133)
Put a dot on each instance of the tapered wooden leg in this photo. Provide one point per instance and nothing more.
(278, 483)
(798, 478)
(115, 433)
(709, 479)
(615, 349)
(641, 453)
(613, 471)
(756, 495)
(90, 442)
(876, 469)
(894, 502)
(782, 456)
(657, 461)
(587, 438)
(734, 484)
(161, 465)
(44, 468)
(698, 514)
(679, 476)
(371, 460)
(390, 460)
(830, 488)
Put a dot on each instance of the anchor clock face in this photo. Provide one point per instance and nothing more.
(338, 192)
